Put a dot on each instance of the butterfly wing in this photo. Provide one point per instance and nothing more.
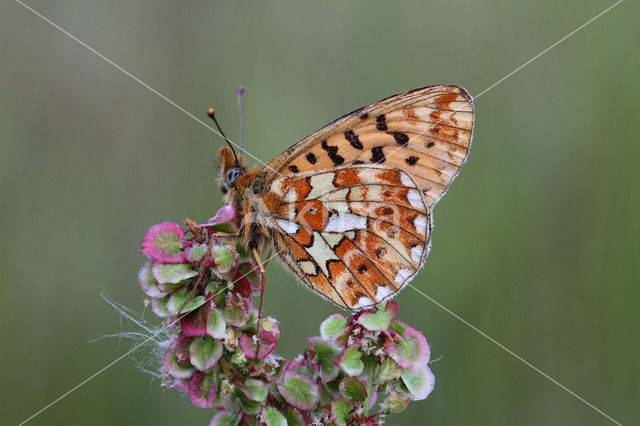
(426, 132)
(349, 207)
(354, 234)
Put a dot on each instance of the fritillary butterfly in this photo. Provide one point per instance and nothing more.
(349, 208)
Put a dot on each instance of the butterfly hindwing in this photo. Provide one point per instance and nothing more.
(425, 132)
(355, 234)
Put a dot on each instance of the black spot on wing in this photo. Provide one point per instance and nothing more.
(332, 151)
(360, 294)
(353, 139)
(411, 160)
(293, 169)
(381, 122)
(311, 158)
(401, 138)
(377, 155)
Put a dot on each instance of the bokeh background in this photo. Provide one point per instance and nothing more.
(536, 243)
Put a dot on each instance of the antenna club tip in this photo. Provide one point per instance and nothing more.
(210, 112)
(240, 90)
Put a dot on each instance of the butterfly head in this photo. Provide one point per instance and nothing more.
(231, 169)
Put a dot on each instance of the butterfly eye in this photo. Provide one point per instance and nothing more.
(232, 175)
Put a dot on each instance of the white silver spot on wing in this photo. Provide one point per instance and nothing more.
(290, 212)
(332, 239)
(402, 275)
(291, 196)
(420, 223)
(363, 302)
(320, 184)
(321, 252)
(416, 253)
(415, 199)
(340, 206)
(382, 292)
(407, 181)
(344, 222)
(288, 227)
(276, 187)
(308, 267)
(340, 195)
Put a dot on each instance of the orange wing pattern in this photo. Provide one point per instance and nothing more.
(426, 132)
(354, 234)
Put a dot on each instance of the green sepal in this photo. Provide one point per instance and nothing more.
(419, 382)
(226, 419)
(352, 389)
(196, 252)
(256, 389)
(223, 256)
(172, 273)
(389, 370)
(351, 362)
(299, 391)
(178, 299)
(395, 403)
(226, 228)
(341, 410)
(273, 417)
(378, 321)
(216, 326)
(248, 406)
(204, 352)
(398, 327)
(159, 306)
(332, 327)
(326, 352)
(334, 385)
(293, 419)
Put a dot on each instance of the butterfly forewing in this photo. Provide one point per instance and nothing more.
(425, 132)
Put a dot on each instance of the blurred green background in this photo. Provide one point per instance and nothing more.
(536, 244)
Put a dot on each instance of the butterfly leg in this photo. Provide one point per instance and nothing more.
(268, 258)
(226, 235)
(256, 256)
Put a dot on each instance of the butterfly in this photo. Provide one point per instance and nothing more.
(349, 208)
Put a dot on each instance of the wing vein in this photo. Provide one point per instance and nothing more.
(348, 269)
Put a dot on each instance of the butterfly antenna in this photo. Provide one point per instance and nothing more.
(239, 93)
(212, 113)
